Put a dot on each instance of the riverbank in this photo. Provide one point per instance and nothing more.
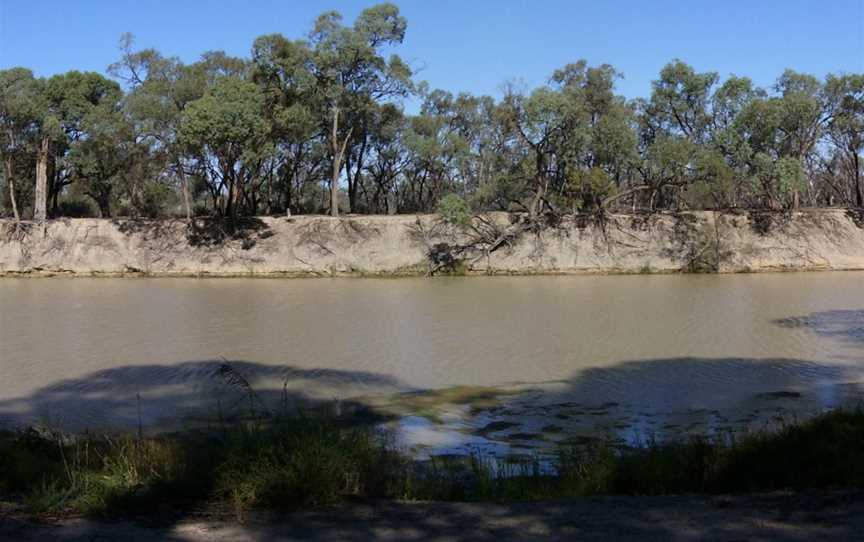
(407, 245)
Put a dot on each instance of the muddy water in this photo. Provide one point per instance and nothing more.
(634, 355)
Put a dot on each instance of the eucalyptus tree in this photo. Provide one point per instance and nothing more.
(435, 149)
(388, 161)
(351, 75)
(600, 150)
(846, 129)
(730, 152)
(227, 131)
(782, 131)
(679, 102)
(160, 89)
(18, 114)
(99, 163)
(281, 68)
(578, 135)
(68, 104)
(675, 128)
(540, 122)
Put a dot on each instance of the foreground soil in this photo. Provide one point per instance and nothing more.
(775, 516)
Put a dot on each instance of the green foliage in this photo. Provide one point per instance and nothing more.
(271, 133)
(453, 210)
(586, 190)
(227, 119)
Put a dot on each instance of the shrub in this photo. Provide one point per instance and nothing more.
(453, 210)
(76, 207)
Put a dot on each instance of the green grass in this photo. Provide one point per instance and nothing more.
(284, 464)
(312, 461)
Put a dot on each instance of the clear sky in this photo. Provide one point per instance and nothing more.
(465, 45)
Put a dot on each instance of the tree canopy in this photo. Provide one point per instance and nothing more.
(318, 125)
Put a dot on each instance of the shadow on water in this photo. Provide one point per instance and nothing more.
(638, 401)
(629, 401)
(639, 390)
(194, 392)
(843, 325)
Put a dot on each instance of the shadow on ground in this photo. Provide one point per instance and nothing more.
(783, 517)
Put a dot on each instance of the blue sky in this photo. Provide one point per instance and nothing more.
(465, 45)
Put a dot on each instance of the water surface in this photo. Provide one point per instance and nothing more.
(634, 354)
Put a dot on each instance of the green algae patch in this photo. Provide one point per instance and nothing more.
(437, 404)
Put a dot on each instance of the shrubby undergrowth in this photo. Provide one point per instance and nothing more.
(308, 461)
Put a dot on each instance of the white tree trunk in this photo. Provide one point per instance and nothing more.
(11, 181)
(40, 205)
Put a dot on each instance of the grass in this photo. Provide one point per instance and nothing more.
(283, 464)
(310, 461)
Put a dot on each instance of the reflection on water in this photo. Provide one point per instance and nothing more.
(632, 358)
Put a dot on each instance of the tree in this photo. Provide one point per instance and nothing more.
(540, 121)
(67, 103)
(281, 69)
(679, 102)
(227, 131)
(100, 161)
(18, 113)
(160, 90)
(351, 75)
(846, 127)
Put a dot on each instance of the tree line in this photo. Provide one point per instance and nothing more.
(317, 125)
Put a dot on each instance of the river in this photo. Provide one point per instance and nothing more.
(538, 356)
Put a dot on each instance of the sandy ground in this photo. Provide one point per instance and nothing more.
(785, 517)
(812, 239)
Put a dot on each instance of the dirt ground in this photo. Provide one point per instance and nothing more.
(777, 516)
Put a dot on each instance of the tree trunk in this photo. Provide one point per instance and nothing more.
(289, 183)
(40, 205)
(354, 180)
(53, 188)
(7, 162)
(103, 200)
(105, 206)
(231, 200)
(184, 181)
(540, 185)
(334, 178)
(859, 191)
(338, 153)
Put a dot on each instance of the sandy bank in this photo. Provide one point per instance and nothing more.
(726, 242)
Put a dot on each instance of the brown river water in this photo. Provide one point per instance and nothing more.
(532, 359)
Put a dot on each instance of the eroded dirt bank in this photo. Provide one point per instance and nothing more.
(496, 243)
